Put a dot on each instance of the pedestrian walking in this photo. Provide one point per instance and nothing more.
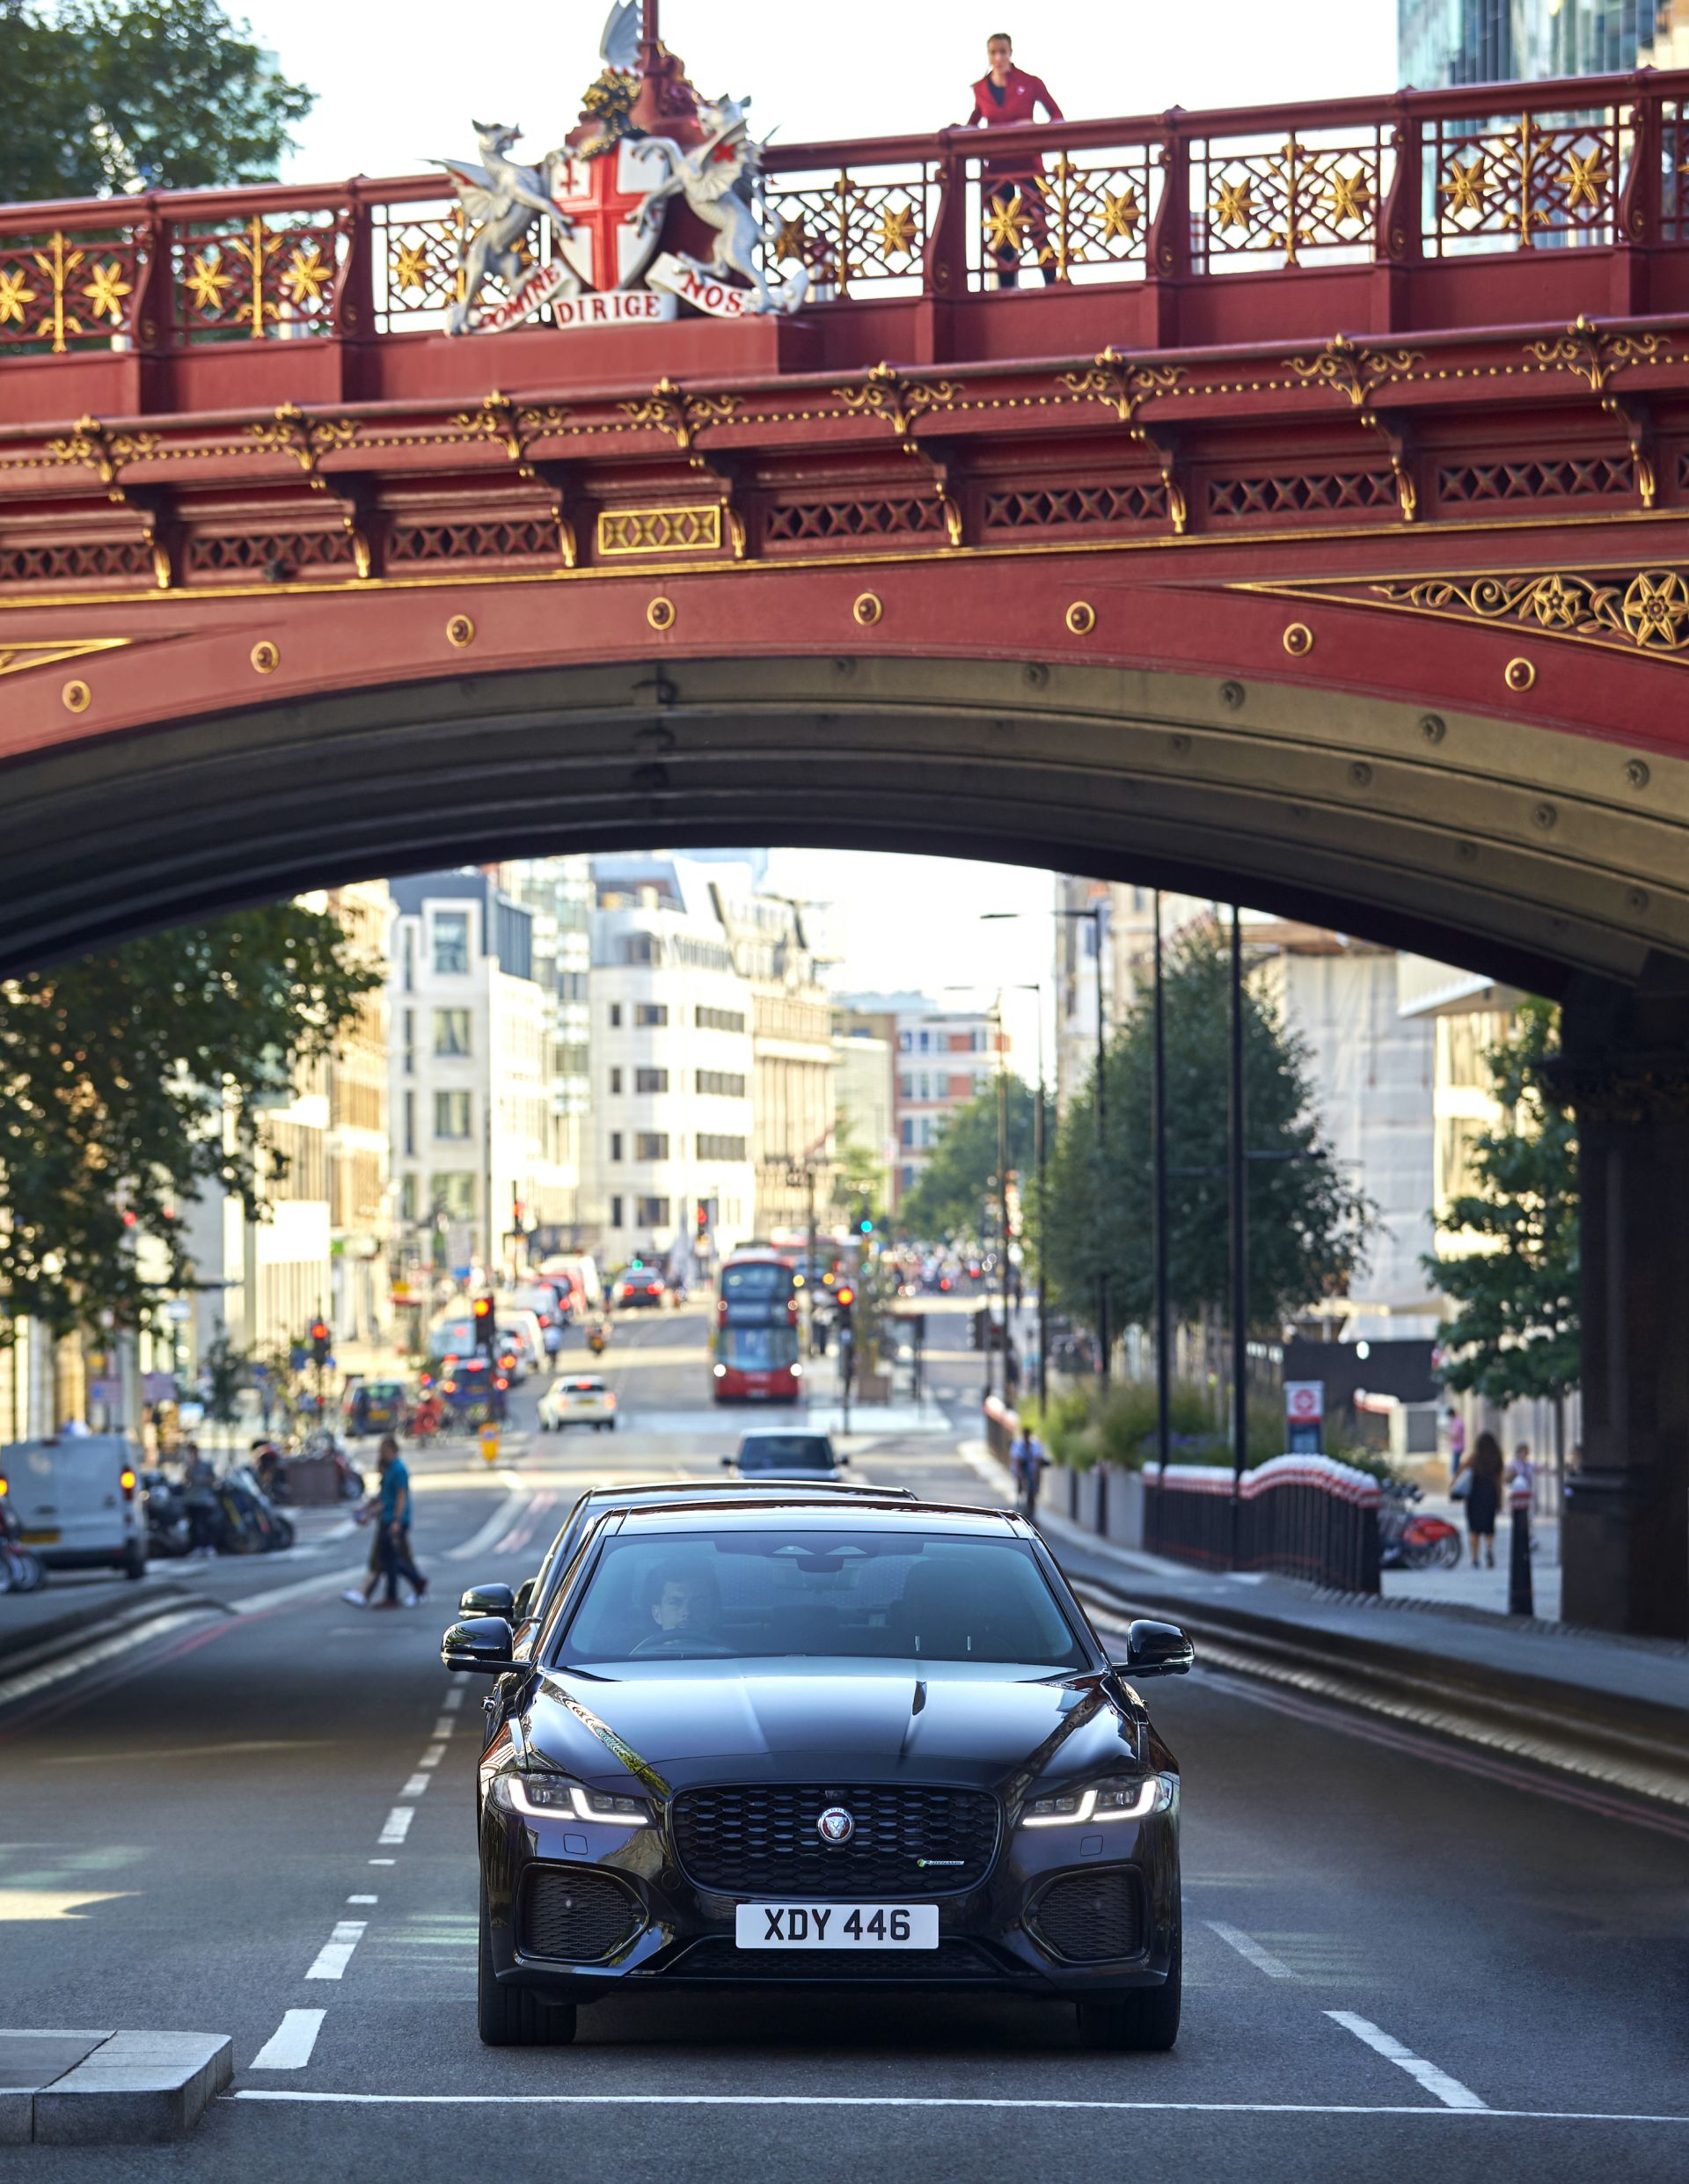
(1457, 1445)
(393, 1517)
(1026, 1465)
(1012, 182)
(199, 1500)
(1478, 1484)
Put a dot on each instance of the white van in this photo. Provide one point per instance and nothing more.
(78, 1501)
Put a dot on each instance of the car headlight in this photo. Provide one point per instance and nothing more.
(1101, 1800)
(549, 1796)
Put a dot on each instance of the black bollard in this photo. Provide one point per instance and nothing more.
(1520, 1600)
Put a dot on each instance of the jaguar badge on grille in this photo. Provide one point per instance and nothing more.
(836, 1825)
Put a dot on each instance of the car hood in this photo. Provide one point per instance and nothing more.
(978, 1727)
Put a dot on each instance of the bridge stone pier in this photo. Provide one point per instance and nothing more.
(1317, 537)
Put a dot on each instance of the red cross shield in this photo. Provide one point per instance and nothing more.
(605, 197)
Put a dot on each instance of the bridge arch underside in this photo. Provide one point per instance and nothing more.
(1523, 851)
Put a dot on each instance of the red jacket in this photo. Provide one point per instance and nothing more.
(1022, 95)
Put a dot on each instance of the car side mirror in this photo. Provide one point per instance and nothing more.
(480, 1646)
(1156, 1649)
(841, 1461)
(727, 1463)
(522, 1603)
(488, 1600)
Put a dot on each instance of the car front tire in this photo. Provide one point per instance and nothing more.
(1147, 2021)
(510, 2017)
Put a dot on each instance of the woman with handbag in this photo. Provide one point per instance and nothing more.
(1478, 1484)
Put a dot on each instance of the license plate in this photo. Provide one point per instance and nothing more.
(48, 1535)
(837, 1925)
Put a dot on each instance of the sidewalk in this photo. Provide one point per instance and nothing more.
(824, 1413)
(1634, 1677)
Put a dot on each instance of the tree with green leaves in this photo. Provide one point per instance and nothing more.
(1513, 1273)
(99, 97)
(1307, 1224)
(956, 1194)
(135, 1080)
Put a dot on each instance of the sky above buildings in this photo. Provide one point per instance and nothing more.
(399, 85)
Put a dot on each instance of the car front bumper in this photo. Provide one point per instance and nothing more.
(991, 1937)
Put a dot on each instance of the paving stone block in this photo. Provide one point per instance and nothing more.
(135, 2087)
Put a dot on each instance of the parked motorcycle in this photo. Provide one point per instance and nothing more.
(1410, 1539)
(169, 1532)
(21, 1568)
(244, 1520)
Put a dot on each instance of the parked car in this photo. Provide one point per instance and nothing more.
(578, 1399)
(77, 1500)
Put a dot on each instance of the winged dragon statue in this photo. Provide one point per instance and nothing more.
(717, 180)
(503, 199)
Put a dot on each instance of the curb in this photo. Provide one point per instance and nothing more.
(105, 2088)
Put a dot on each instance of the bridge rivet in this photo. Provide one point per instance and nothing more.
(661, 613)
(1637, 775)
(1466, 852)
(866, 609)
(1360, 773)
(1232, 695)
(1432, 727)
(1035, 675)
(1298, 640)
(1544, 816)
(77, 697)
(1519, 674)
(1181, 744)
(460, 630)
(266, 658)
(1081, 618)
(1637, 899)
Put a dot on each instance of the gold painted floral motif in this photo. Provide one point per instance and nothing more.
(1648, 609)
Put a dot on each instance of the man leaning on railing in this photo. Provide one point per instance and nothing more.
(1013, 181)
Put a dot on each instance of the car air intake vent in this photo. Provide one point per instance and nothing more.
(904, 1839)
(576, 1915)
(953, 1960)
(1091, 1918)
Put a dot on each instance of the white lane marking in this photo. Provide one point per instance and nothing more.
(397, 1825)
(33, 1680)
(384, 1861)
(432, 1757)
(444, 1727)
(336, 1953)
(289, 2047)
(1261, 1959)
(453, 1699)
(415, 1786)
(516, 1494)
(950, 2100)
(280, 1596)
(1448, 2090)
(364, 1899)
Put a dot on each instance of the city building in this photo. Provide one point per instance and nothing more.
(791, 1034)
(559, 893)
(945, 1058)
(1372, 1070)
(1450, 42)
(358, 1147)
(864, 1095)
(670, 1169)
(1113, 923)
(471, 1034)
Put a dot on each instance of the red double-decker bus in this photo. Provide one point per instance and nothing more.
(754, 1342)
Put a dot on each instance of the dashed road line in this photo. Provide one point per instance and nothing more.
(432, 1757)
(336, 1953)
(1448, 2090)
(415, 1786)
(444, 1727)
(453, 1699)
(397, 1825)
(364, 1899)
(384, 1861)
(289, 2047)
(1263, 1959)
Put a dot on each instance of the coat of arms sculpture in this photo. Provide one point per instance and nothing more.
(598, 234)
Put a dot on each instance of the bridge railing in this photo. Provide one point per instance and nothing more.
(1403, 179)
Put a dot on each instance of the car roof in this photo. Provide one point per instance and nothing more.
(579, 1380)
(808, 1514)
(784, 1432)
(732, 1492)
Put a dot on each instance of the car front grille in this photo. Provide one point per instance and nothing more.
(718, 1958)
(573, 1913)
(763, 1840)
(1092, 1918)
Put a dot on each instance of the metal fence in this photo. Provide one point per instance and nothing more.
(1300, 1516)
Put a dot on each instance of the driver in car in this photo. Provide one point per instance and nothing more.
(685, 1605)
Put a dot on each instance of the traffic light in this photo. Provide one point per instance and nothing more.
(485, 1332)
(865, 1226)
(703, 1215)
(319, 1341)
(844, 1297)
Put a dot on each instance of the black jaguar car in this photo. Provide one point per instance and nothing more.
(825, 1744)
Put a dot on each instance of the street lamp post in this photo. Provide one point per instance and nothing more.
(1237, 1174)
(1159, 1135)
(1039, 1162)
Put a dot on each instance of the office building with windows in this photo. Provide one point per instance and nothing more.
(1450, 42)
(558, 891)
(471, 1032)
(358, 1149)
(671, 1173)
(942, 1059)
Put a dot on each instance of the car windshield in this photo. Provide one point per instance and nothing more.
(756, 1594)
(785, 1452)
